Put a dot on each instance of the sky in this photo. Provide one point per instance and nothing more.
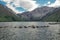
(20, 6)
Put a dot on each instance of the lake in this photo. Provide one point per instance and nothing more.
(41, 33)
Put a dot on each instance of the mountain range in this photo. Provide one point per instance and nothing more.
(39, 14)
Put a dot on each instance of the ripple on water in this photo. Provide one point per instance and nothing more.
(46, 33)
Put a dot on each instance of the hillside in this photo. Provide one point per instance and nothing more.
(54, 17)
(7, 14)
(36, 14)
(47, 14)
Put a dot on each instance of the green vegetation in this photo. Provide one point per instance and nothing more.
(54, 17)
(7, 15)
(8, 18)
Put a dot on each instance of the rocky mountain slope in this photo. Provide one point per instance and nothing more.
(36, 14)
(53, 17)
(7, 14)
(39, 14)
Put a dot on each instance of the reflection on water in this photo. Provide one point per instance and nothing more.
(43, 33)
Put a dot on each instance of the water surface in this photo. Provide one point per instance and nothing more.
(43, 33)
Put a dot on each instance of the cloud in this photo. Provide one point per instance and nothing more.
(13, 8)
(29, 5)
(56, 4)
(48, 2)
(7, 1)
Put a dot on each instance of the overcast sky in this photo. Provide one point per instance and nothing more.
(20, 6)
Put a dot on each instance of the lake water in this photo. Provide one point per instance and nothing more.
(42, 33)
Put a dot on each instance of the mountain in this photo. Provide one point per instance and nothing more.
(53, 17)
(36, 14)
(45, 14)
(7, 14)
